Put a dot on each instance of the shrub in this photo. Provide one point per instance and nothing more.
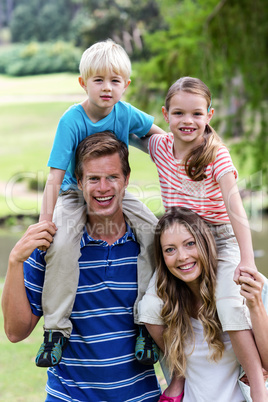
(39, 58)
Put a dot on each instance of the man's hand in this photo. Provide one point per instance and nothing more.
(38, 235)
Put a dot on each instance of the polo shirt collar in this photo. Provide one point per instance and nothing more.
(86, 238)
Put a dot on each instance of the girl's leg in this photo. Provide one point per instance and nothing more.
(247, 354)
(233, 313)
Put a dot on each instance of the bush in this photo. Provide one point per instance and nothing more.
(39, 58)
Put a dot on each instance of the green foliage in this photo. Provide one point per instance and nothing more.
(224, 43)
(36, 20)
(124, 21)
(39, 58)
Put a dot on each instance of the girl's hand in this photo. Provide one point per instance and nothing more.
(251, 283)
(241, 269)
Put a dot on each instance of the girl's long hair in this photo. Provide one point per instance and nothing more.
(201, 156)
(177, 297)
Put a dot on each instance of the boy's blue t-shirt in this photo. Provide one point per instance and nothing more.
(74, 126)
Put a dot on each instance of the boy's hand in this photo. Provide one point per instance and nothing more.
(36, 236)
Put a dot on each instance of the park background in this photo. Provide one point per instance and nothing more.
(224, 43)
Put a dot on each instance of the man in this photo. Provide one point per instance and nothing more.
(98, 363)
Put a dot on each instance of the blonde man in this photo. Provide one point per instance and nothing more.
(104, 75)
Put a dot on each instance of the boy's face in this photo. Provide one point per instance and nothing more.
(104, 90)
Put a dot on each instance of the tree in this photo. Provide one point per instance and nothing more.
(36, 20)
(23, 23)
(122, 20)
(224, 43)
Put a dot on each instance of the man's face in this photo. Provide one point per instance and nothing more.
(103, 185)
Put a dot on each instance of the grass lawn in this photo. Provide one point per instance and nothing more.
(49, 84)
(21, 380)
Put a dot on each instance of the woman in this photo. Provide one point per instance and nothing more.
(182, 316)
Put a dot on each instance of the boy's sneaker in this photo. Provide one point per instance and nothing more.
(146, 350)
(50, 351)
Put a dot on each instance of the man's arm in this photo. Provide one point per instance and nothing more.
(19, 321)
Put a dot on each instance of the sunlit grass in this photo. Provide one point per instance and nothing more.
(21, 380)
(49, 84)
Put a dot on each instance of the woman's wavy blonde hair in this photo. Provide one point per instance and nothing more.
(178, 298)
(201, 156)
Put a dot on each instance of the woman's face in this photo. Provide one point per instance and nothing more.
(180, 254)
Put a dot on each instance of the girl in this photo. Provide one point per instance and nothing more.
(191, 334)
(196, 171)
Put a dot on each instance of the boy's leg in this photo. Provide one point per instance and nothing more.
(62, 269)
(143, 223)
(233, 312)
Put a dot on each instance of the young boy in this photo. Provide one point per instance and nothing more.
(104, 75)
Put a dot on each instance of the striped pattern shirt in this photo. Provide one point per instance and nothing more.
(177, 189)
(98, 363)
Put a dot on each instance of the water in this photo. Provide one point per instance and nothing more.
(7, 242)
(259, 237)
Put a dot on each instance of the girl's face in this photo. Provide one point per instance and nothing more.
(180, 254)
(187, 118)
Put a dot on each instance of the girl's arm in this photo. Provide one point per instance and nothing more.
(19, 321)
(155, 130)
(142, 143)
(239, 221)
(51, 193)
(251, 289)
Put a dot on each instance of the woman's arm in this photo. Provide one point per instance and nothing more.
(239, 221)
(251, 289)
(176, 385)
(19, 321)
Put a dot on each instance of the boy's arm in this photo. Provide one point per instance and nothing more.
(51, 193)
(239, 221)
(251, 289)
(19, 321)
(142, 142)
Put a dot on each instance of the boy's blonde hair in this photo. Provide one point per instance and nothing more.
(103, 57)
